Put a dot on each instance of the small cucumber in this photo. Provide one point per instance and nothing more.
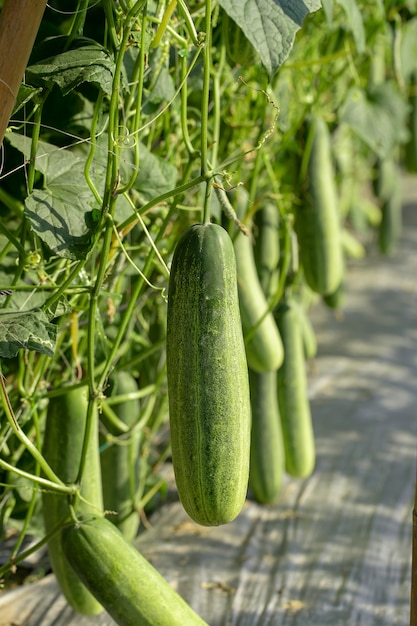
(263, 343)
(62, 448)
(293, 401)
(317, 220)
(307, 331)
(336, 300)
(267, 460)
(389, 192)
(208, 388)
(267, 248)
(123, 581)
(120, 459)
(410, 157)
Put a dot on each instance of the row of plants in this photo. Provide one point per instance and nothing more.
(180, 183)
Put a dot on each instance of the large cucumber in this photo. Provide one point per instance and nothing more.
(123, 581)
(317, 220)
(267, 460)
(293, 401)
(120, 460)
(262, 340)
(208, 386)
(62, 447)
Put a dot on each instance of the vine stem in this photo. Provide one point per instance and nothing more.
(205, 110)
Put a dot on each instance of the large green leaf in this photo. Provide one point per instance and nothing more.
(270, 25)
(29, 330)
(87, 64)
(62, 213)
(378, 117)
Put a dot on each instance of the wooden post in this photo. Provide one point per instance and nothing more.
(413, 601)
(19, 23)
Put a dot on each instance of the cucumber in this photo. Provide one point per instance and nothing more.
(336, 300)
(208, 388)
(263, 343)
(388, 190)
(307, 332)
(390, 226)
(410, 157)
(62, 447)
(294, 406)
(267, 460)
(267, 249)
(120, 460)
(123, 581)
(317, 220)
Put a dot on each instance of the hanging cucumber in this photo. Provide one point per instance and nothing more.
(120, 459)
(293, 401)
(267, 249)
(410, 157)
(62, 448)
(389, 192)
(336, 299)
(208, 386)
(123, 581)
(307, 332)
(317, 220)
(262, 340)
(267, 461)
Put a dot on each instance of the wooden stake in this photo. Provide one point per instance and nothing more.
(413, 602)
(19, 23)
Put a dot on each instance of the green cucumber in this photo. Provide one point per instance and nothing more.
(208, 388)
(388, 190)
(317, 220)
(307, 331)
(267, 460)
(293, 401)
(267, 249)
(131, 590)
(410, 157)
(263, 343)
(336, 300)
(120, 460)
(62, 448)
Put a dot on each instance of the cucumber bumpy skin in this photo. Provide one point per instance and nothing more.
(62, 448)
(208, 386)
(131, 590)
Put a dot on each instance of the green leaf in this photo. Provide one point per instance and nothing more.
(378, 117)
(270, 25)
(87, 64)
(28, 330)
(63, 213)
(155, 175)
